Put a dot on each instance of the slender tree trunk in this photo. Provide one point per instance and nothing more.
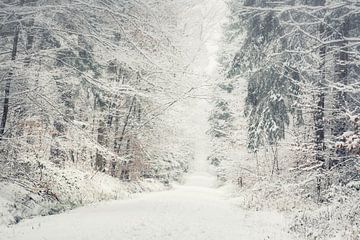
(100, 160)
(320, 106)
(320, 99)
(275, 166)
(139, 113)
(128, 146)
(341, 73)
(29, 42)
(126, 122)
(8, 80)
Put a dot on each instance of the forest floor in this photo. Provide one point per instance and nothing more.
(196, 210)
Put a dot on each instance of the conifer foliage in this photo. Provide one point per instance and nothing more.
(299, 63)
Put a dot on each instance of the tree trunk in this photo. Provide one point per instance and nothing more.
(320, 108)
(341, 74)
(9, 78)
(100, 160)
(126, 122)
(29, 42)
(5, 111)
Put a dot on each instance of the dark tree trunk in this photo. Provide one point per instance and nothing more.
(9, 77)
(29, 42)
(100, 161)
(139, 113)
(8, 80)
(341, 74)
(119, 141)
(128, 144)
(320, 99)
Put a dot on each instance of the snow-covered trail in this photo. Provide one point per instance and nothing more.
(195, 210)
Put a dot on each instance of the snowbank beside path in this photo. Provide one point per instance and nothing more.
(65, 189)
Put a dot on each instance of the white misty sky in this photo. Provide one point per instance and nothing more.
(202, 24)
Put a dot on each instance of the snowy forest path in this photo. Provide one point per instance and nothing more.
(195, 210)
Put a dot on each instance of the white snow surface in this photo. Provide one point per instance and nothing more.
(190, 211)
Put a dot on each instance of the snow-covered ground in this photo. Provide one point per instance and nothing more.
(71, 187)
(195, 210)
